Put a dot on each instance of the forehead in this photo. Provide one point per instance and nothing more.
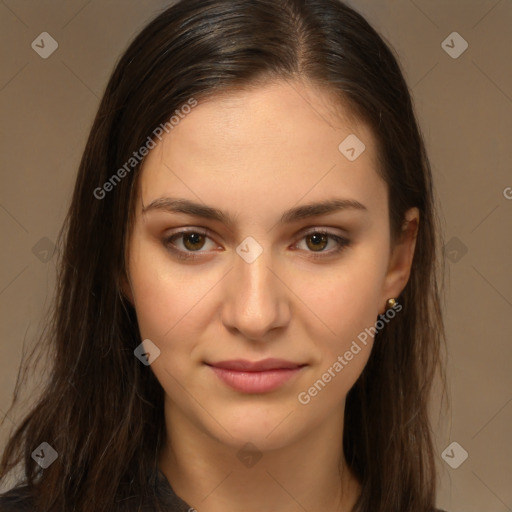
(262, 146)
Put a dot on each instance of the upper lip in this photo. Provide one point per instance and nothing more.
(255, 366)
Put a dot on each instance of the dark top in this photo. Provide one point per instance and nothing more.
(19, 500)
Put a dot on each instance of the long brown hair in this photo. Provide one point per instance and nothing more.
(101, 409)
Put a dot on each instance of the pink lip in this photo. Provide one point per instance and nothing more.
(255, 377)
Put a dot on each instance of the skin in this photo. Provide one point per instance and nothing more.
(254, 154)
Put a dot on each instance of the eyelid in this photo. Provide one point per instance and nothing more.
(321, 229)
(185, 255)
(342, 242)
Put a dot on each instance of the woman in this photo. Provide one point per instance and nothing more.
(247, 314)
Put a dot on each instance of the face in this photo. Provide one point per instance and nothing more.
(260, 278)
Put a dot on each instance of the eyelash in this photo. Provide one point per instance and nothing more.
(342, 243)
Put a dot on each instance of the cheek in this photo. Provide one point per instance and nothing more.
(343, 340)
(170, 311)
(157, 303)
(173, 304)
(165, 295)
(343, 301)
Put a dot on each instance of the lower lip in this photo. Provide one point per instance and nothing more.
(255, 382)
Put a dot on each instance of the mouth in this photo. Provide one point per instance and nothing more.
(255, 377)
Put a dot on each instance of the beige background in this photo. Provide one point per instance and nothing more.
(465, 109)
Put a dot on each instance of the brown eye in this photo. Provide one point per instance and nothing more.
(193, 241)
(318, 241)
(185, 243)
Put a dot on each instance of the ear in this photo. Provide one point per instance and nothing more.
(400, 261)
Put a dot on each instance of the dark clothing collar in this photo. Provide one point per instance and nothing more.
(168, 497)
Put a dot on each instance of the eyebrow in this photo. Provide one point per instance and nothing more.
(186, 206)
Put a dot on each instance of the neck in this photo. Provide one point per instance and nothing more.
(307, 474)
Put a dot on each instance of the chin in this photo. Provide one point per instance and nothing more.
(265, 427)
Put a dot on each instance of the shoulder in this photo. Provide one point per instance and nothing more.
(18, 499)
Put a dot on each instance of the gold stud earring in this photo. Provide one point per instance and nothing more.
(390, 303)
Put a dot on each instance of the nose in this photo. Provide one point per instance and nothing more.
(256, 302)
